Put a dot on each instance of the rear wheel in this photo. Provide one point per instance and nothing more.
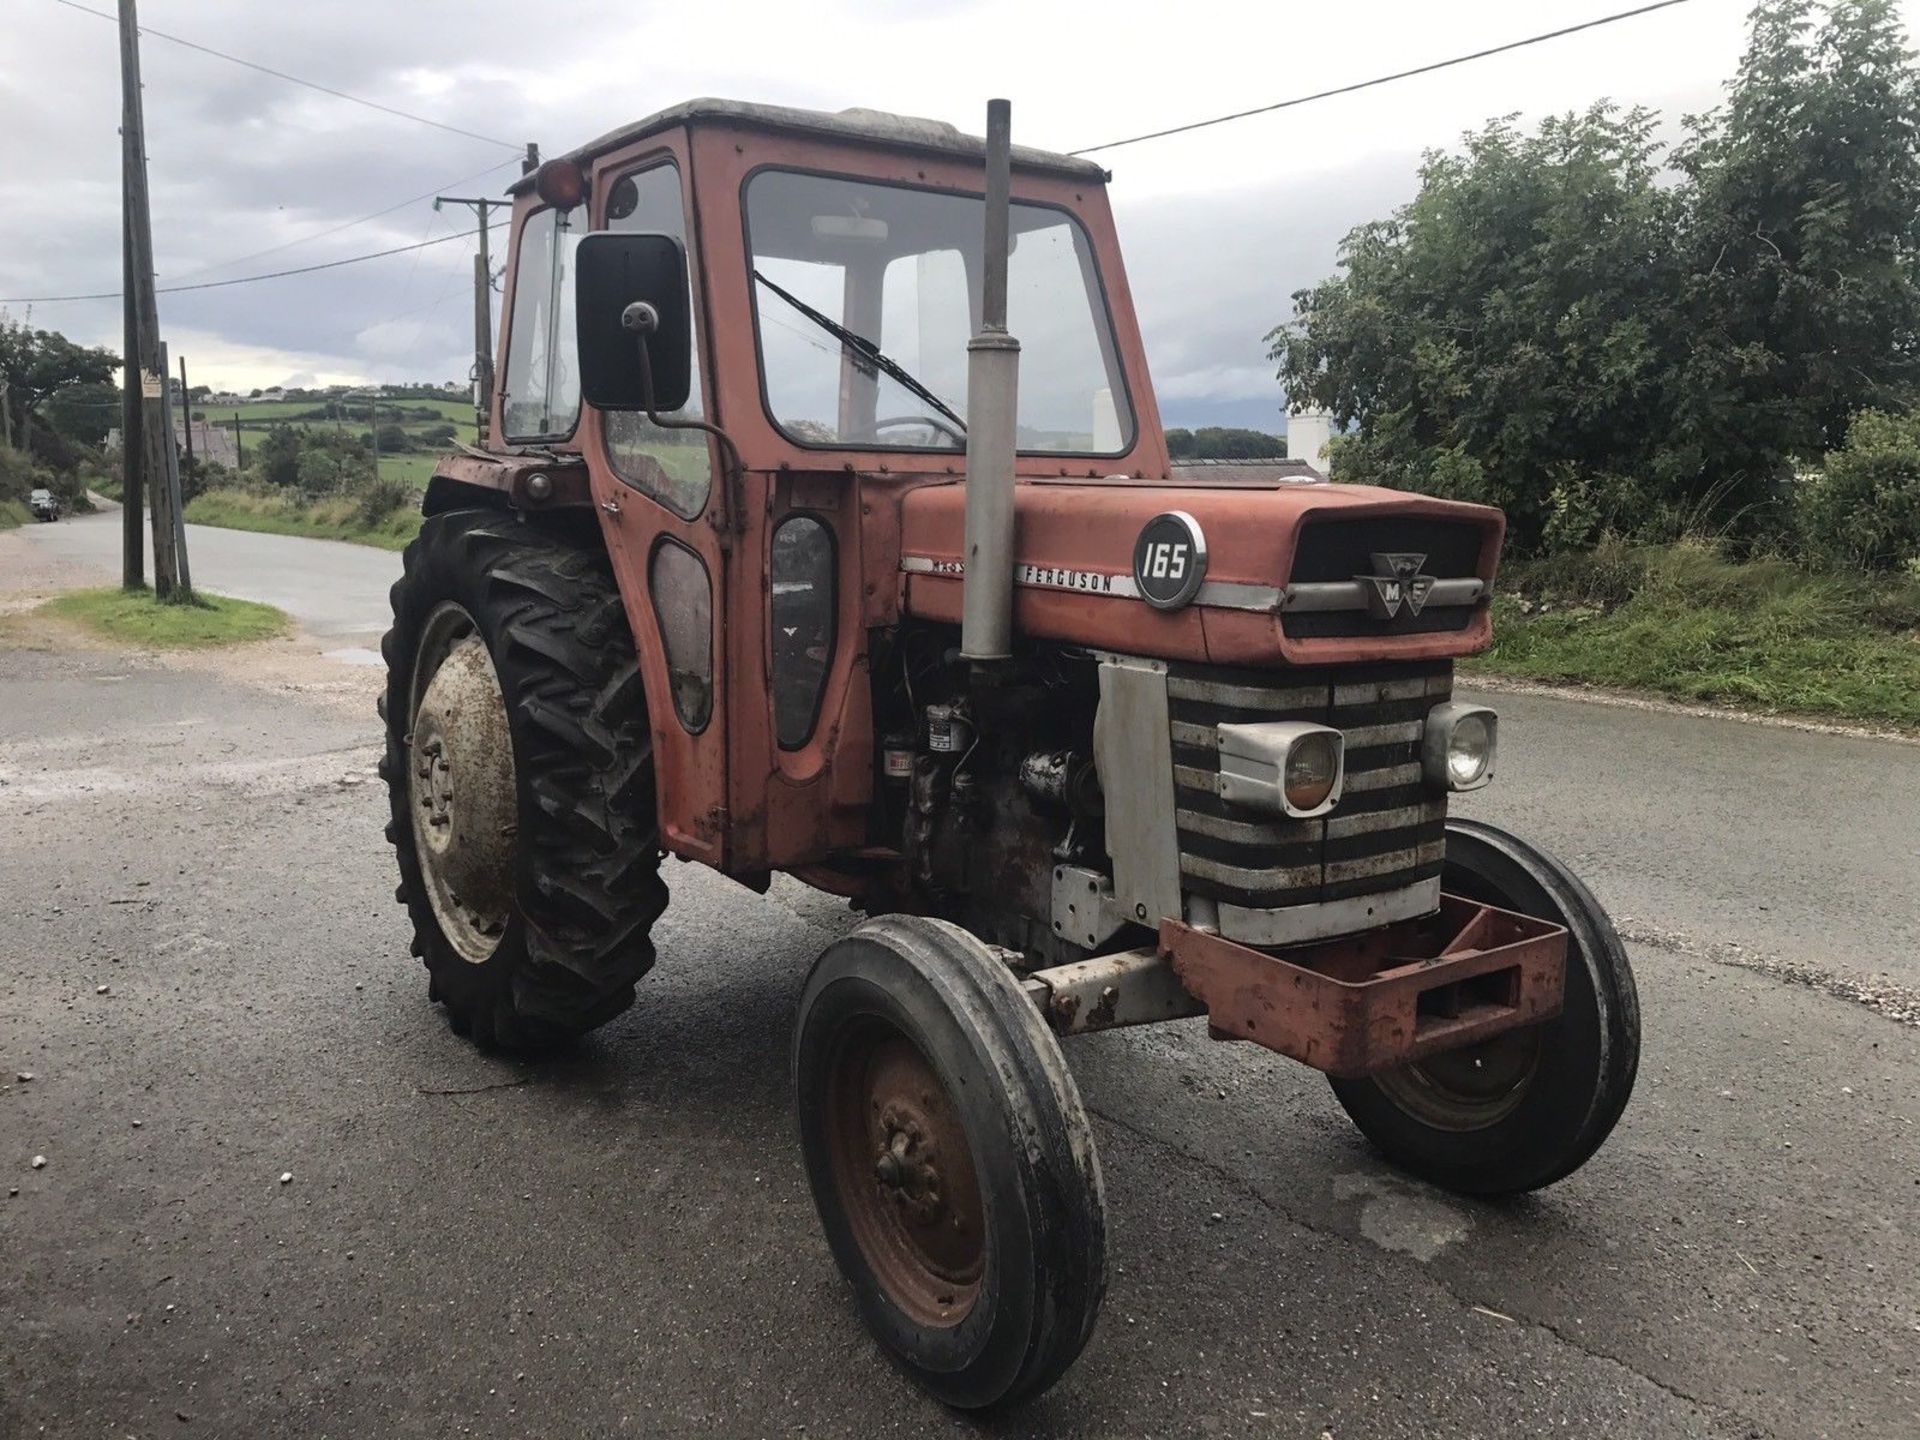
(520, 776)
(950, 1160)
(1528, 1107)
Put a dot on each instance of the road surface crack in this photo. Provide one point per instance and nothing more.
(1896, 1002)
(471, 1089)
(1574, 1342)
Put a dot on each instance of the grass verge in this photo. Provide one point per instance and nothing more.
(135, 617)
(342, 519)
(13, 513)
(1682, 621)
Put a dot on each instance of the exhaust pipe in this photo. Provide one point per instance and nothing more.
(993, 380)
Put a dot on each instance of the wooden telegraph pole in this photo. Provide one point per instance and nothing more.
(483, 297)
(482, 314)
(146, 430)
(186, 411)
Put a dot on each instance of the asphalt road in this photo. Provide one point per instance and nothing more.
(337, 592)
(620, 1241)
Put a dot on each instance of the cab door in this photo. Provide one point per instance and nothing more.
(660, 504)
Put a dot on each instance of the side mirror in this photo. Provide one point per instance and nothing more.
(614, 273)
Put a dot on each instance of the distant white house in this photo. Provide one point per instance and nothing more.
(1310, 438)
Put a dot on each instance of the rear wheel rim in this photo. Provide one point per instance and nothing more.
(1472, 1088)
(905, 1173)
(461, 784)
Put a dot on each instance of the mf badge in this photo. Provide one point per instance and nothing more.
(1396, 582)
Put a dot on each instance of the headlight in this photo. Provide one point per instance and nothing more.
(1284, 767)
(1457, 750)
(1313, 767)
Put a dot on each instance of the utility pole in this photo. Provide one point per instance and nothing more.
(373, 430)
(146, 366)
(133, 503)
(6, 416)
(186, 413)
(239, 444)
(482, 313)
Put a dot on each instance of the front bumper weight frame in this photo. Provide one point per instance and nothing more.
(1366, 1003)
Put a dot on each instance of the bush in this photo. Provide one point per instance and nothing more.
(394, 440)
(376, 501)
(1864, 509)
(20, 475)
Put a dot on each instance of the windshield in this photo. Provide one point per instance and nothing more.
(866, 295)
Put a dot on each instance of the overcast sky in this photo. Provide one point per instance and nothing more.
(1219, 227)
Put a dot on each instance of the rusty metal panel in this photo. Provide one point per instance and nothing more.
(1134, 987)
(1368, 1003)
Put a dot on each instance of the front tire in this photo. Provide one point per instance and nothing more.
(1529, 1107)
(950, 1160)
(519, 771)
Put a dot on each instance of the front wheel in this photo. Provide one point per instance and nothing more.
(950, 1159)
(1528, 1107)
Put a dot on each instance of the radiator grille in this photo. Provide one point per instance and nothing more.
(1387, 831)
(1342, 549)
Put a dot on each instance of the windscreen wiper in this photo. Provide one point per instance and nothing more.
(865, 350)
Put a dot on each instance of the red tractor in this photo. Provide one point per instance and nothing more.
(787, 555)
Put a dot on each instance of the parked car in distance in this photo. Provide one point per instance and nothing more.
(44, 504)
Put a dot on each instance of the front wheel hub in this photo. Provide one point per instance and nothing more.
(906, 1175)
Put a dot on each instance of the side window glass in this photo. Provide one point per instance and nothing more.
(670, 465)
(543, 380)
(803, 595)
(683, 601)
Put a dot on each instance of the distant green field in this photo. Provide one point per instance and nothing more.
(415, 467)
(256, 415)
(251, 411)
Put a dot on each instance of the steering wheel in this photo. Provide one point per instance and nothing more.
(931, 422)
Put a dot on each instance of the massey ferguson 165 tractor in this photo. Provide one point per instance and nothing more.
(785, 554)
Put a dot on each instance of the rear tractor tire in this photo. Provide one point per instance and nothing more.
(1528, 1107)
(950, 1160)
(519, 770)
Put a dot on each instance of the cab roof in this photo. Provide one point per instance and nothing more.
(868, 127)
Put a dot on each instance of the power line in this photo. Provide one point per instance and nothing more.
(1381, 79)
(345, 225)
(293, 79)
(240, 280)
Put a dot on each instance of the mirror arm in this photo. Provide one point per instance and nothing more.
(642, 319)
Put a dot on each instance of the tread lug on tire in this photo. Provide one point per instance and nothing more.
(951, 1161)
(540, 976)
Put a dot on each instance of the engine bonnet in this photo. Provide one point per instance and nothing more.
(1293, 573)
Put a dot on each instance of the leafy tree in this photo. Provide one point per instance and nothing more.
(1801, 232)
(1223, 442)
(1496, 335)
(1552, 326)
(40, 365)
(394, 439)
(276, 459)
(84, 412)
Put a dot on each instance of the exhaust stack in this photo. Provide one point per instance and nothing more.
(993, 378)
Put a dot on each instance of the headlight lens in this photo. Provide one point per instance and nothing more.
(1469, 752)
(1458, 748)
(1313, 765)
